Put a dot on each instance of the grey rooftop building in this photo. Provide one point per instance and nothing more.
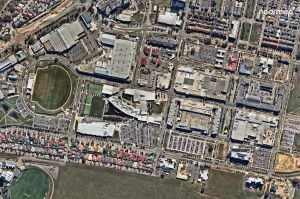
(63, 38)
(260, 95)
(120, 63)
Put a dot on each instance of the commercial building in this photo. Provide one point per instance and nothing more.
(99, 129)
(169, 18)
(12, 60)
(119, 65)
(254, 183)
(107, 8)
(108, 39)
(138, 111)
(195, 117)
(190, 81)
(182, 172)
(62, 39)
(260, 95)
(30, 83)
(254, 126)
(86, 19)
(240, 155)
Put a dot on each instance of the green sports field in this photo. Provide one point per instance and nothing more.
(52, 87)
(97, 106)
(33, 184)
(95, 89)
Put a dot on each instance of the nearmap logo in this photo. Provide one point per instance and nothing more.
(276, 12)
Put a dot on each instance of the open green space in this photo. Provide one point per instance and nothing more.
(2, 3)
(162, 3)
(52, 87)
(87, 105)
(297, 193)
(250, 8)
(8, 155)
(294, 97)
(225, 185)
(95, 89)
(157, 108)
(97, 106)
(106, 183)
(245, 31)
(255, 33)
(34, 184)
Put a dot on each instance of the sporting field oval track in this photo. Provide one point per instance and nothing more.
(52, 87)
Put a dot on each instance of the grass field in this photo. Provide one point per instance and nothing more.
(52, 87)
(97, 106)
(8, 155)
(95, 89)
(106, 183)
(249, 8)
(297, 193)
(294, 98)
(2, 3)
(255, 33)
(245, 31)
(226, 185)
(87, 104)
(33, 184)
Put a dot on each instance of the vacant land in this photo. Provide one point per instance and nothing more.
(255, 33)
(52, 87)
(105, 183)
(97, 106)
(95, 89)
(227, 185)
(249, 8)
(294, 98)
(245, 31)
(34, 184)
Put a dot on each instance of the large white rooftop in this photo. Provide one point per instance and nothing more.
(63, 38)
(101, 129)
(119, 66)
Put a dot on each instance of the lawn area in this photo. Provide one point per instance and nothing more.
(157, 108)
(52, 87)
(297, 193)
(245, 31)
(2, 114)
(87, 105)
(8, 155)
(2, 3)
(227, 185)
(294, 98)
(249, 8)
(95, 89)
(162, 3)
(106, 183)
(255, 33)
(97, 106)
(34, 184)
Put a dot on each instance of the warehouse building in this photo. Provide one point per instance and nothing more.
(120, 62)
(99, 129)
(62, 39)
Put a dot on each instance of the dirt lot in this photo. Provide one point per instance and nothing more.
(53, 13)
(81, 181)
(285, 163)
